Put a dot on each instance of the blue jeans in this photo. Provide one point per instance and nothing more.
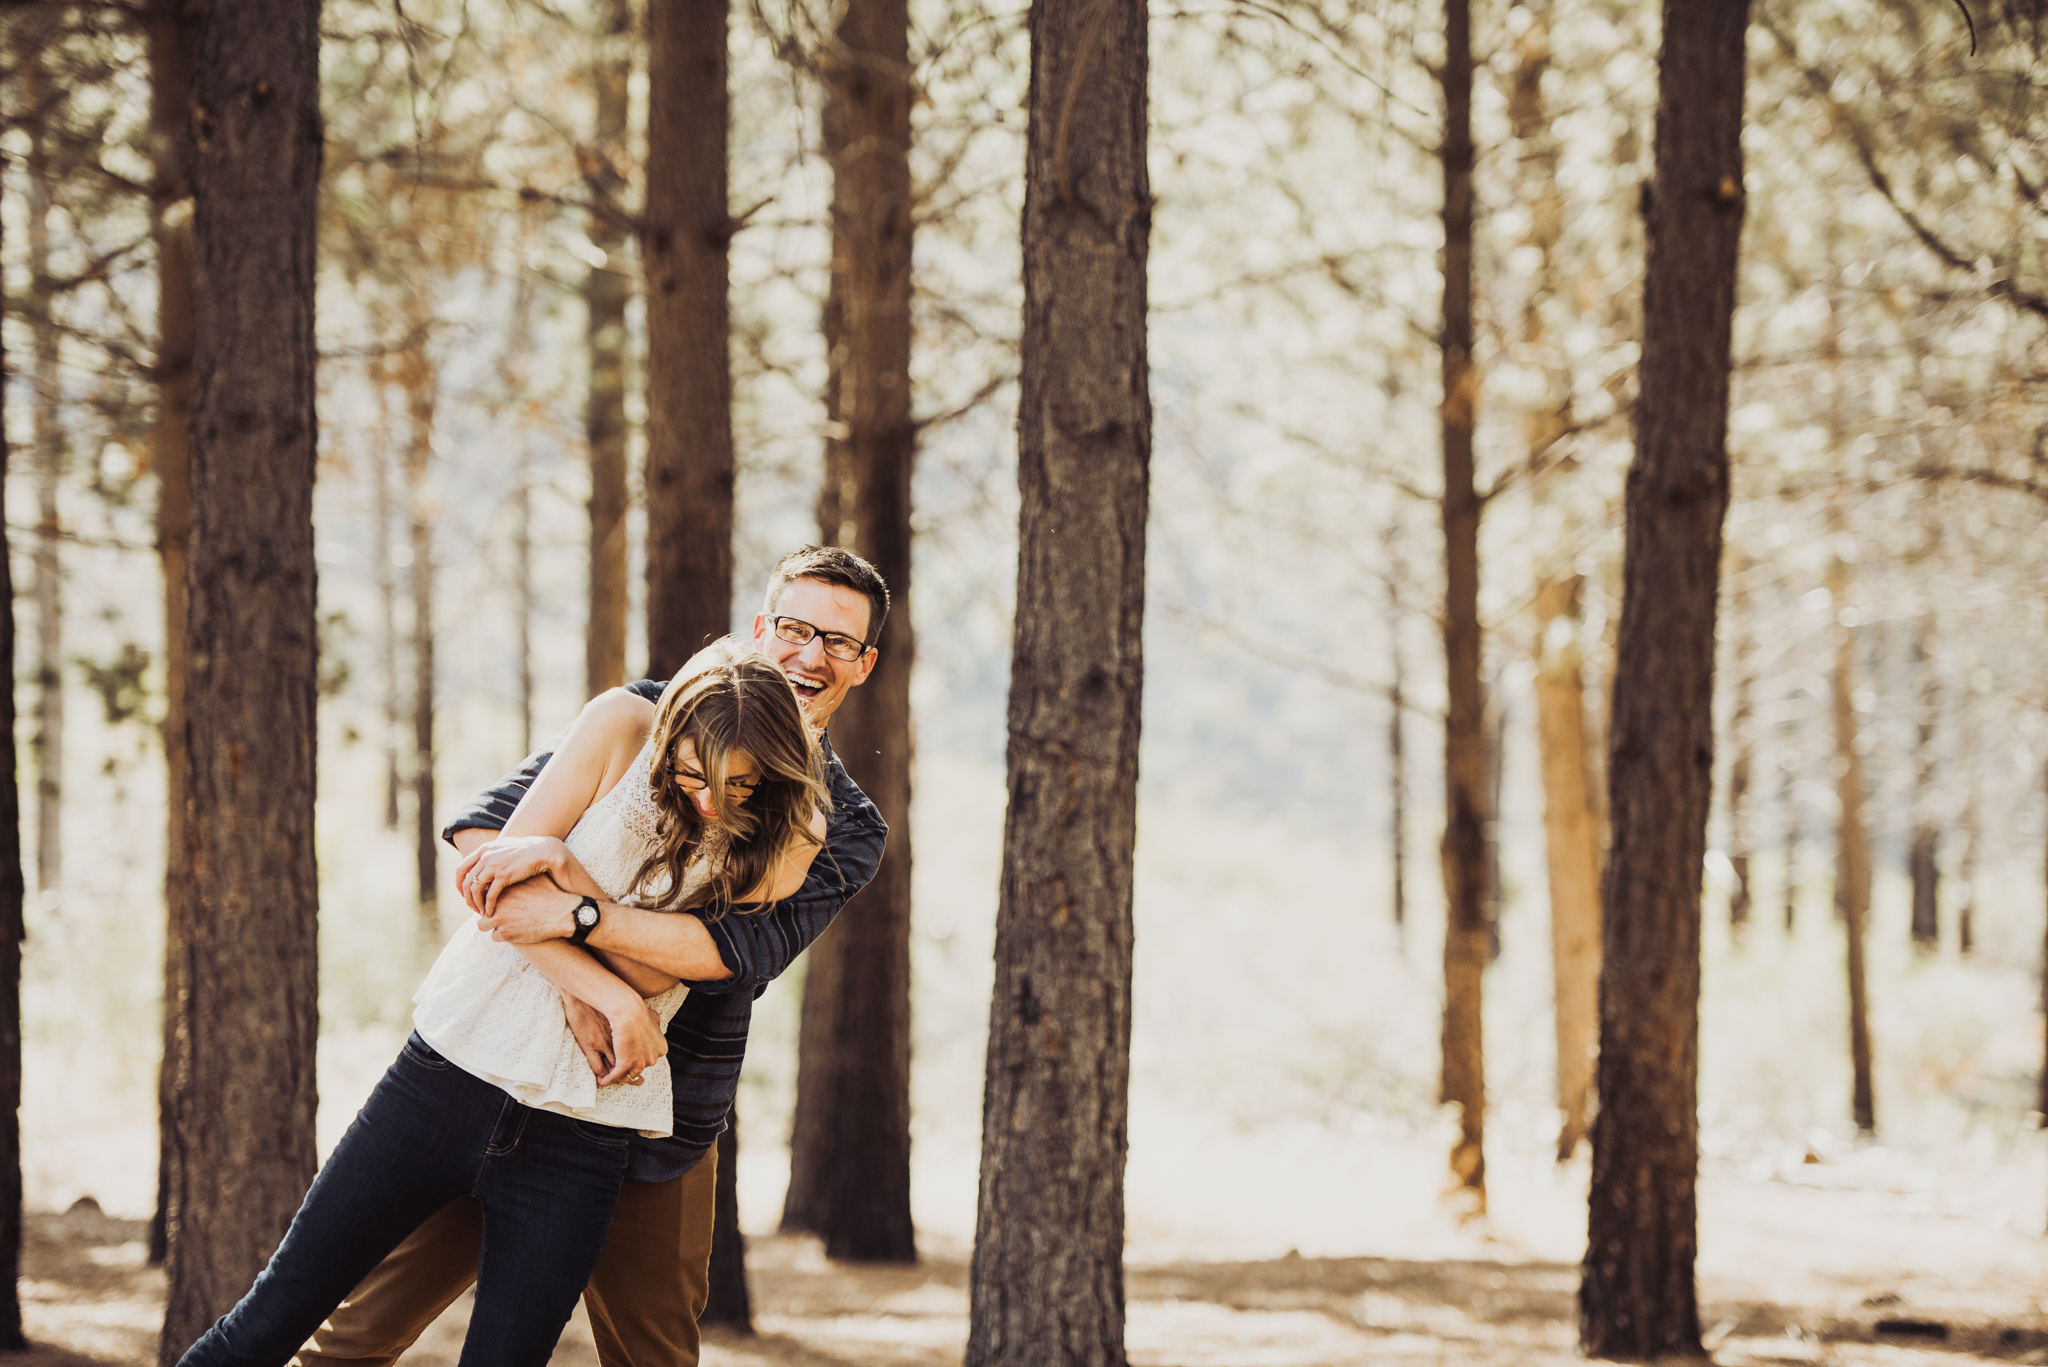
(429, 1133)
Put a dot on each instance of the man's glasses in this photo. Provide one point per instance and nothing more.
(798, 632)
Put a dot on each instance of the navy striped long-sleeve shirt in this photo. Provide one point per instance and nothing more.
(707, 1040)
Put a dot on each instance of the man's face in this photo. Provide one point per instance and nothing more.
(821, 681)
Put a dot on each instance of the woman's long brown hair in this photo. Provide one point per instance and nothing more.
(730, 697)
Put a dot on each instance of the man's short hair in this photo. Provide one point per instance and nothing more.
(832, 565)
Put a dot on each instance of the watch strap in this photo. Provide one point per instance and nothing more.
(584, 927)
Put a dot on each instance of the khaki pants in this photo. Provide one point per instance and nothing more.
(644, 1298)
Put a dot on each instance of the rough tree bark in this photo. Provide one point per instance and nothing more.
(689, 474)
(1922, 858)
(1468, 936)
(683, 250)
(850, 1151)
(1852, 845)
(605, 290)
(12, 932)
(173, 29)
(242, 1105)
(1637, 1295)
(1046, 1286)
(46, 383)
(1571, 830)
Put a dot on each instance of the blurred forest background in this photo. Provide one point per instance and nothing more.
(1882, 697)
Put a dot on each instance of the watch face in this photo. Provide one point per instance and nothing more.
(586, 916)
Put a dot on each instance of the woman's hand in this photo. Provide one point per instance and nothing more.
(593, 1034)
(498, 864)
(637, 1043)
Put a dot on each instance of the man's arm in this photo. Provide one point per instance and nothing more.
(724, 951)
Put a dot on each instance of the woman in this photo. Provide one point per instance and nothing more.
(716, 795)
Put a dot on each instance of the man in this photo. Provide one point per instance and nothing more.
(822, 614)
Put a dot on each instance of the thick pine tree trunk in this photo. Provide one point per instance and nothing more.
(242, 1107)
(173, 34)
(1046, 1287)
(1637, 1297)
(683, 250)
(12, 931)
(1571, 829)
(1852, 849)
(605, 291)
(850, 1153)
(689, 473)
(1468, 934)
(46, 384)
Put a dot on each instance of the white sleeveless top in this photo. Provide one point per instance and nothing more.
(491, 1013)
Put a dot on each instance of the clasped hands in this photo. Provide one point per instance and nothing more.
(510, 883)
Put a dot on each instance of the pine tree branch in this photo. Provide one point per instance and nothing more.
(2001, 284)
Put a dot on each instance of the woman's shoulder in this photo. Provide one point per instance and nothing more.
(620, 714)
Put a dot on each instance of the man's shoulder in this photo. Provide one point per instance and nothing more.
(851, 808)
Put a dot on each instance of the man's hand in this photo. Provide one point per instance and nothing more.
(530, 912)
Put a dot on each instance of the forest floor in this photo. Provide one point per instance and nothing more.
(1832, 1266)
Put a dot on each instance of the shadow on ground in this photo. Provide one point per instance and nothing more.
(89, 1300)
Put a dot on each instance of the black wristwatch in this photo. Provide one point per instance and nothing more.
(587, 917)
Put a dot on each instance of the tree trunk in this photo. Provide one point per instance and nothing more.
(605, 290)
(1571, 830)
(1397, 753)
(683, 251)
(1852, 846)
(683, 247)
(12, 932)
(417, 380)
(1467, 929)
(242, 1114)
(1741, 728)
(46, 383)
(1637, 1297)
(1922, 858)
(522, 554)
(1788, 797)
(173, 34)
(729, 1304)
(1046, 1287)
(1966, 880)
(853, 1150)
(387, 613)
